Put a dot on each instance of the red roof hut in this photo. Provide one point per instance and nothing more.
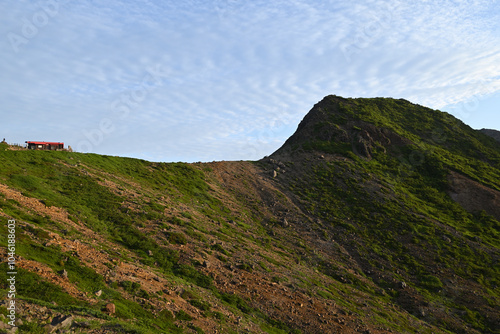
(43, 145)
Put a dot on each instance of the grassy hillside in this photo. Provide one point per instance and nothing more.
(357, 224)
(391, 196)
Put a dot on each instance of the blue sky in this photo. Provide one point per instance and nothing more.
(230, 79)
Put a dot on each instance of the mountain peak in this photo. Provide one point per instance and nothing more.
(338, 125)
(364, 126)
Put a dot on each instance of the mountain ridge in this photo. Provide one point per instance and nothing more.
(495, 134)
(376, 216)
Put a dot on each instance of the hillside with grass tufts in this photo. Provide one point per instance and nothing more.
(376, 216)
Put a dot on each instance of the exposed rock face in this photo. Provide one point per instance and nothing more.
(492, 133)
(473, 196)
(319, 125)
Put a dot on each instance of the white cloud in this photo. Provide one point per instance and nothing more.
(238, 72)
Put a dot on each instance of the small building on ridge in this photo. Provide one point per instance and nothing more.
(43, 145)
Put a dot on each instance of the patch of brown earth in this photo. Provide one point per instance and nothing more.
(473, 196)
(34, 205)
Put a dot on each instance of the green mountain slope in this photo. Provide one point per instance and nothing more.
(376, 216)
(393, 196)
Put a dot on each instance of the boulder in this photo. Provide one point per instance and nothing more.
(63, 273)
(62, 321)
(110, 308)
(49, 328)
(59, 322)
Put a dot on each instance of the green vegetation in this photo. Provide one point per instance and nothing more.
(412, 183)
(32, 285)
(371, 225)
(177, 238)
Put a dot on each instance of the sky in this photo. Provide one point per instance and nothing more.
(210, 80)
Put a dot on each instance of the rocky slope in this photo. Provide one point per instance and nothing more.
(495, 134)
(376, 216)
